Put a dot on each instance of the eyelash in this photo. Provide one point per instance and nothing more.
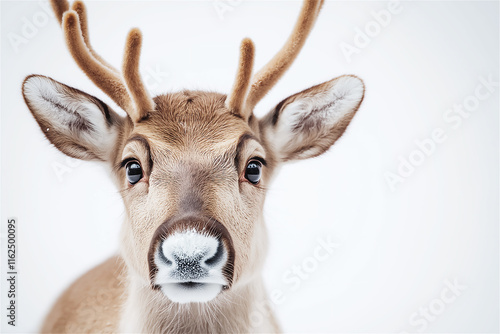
(259, 159)
(125, 162)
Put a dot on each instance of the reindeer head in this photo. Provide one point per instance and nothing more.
(192, 167)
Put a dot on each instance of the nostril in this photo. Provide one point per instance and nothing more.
(163, 257)
(217, 256)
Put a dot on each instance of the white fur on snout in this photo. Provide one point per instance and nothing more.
(188, 244)
(187, 252)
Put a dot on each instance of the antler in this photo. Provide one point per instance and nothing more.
(269, 75)
(74, 23)
(131, 73)
(237, 97)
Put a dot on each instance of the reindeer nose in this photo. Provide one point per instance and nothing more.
(191, 259)
(190, 255)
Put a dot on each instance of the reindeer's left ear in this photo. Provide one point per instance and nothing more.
(306, 124)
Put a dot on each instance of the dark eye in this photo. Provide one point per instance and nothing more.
(134, 172)
(253, 171)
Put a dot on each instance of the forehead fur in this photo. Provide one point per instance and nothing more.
(191, 119)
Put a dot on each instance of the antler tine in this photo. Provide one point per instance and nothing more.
(81, 10)
(62, 6)
(59, 7)
(143, 102)
(236, 98)
(267, 77)
(104, 78)
(103, 75)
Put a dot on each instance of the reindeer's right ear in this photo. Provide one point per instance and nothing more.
(78, 124)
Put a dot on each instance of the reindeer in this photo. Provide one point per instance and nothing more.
(192, 168)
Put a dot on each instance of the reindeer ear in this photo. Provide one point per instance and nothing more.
(78, 124)
(306, 124)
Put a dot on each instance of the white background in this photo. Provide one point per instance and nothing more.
(396, 248)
